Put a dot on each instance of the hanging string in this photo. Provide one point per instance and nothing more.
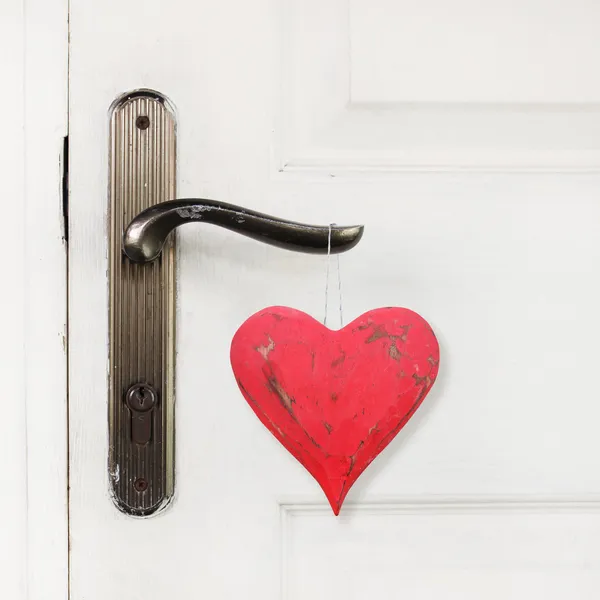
(327, 281)
(340, 290)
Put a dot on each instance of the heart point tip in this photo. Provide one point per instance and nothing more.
(335, 507)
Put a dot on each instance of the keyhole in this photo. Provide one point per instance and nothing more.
(141, 399)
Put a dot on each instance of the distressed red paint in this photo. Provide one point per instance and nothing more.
(335, 399)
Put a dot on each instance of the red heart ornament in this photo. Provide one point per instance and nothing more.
(335, 399)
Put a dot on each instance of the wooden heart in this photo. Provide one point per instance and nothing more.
(335, 399)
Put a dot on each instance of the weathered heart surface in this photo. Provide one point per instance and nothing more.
(335, 399)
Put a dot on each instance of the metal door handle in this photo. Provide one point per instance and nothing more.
(142, 307)
(146, 234)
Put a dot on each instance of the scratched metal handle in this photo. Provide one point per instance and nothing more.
(146, 234)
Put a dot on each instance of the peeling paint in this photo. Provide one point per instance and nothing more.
(394, 353)
(115, 474)
(378, 333)
(339, 361)
(286, 400)
(264, 351)
(193, 212)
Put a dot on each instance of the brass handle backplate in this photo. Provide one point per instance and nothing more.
(142, 309)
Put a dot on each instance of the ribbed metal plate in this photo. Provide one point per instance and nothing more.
(142, 305)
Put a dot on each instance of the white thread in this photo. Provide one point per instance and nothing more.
(340, 290)
(327, 281)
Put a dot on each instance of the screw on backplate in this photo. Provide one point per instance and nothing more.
(140, 484)
(142, 122)
(141, 397)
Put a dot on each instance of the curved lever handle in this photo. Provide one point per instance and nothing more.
(146, 234)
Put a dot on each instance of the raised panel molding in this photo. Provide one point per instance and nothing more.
(394, 85)
(442, 548)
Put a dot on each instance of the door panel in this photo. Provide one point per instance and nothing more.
(448, 549)
(394, 86)
(305, 111)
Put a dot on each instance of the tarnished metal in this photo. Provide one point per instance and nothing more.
(146, 234)
(142, 309)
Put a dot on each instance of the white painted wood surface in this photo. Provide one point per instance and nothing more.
(390, 86)
(504, 265)
(33, 429)
(13, 437)
(443, 549)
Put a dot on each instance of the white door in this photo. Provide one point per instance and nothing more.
(466, 137)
